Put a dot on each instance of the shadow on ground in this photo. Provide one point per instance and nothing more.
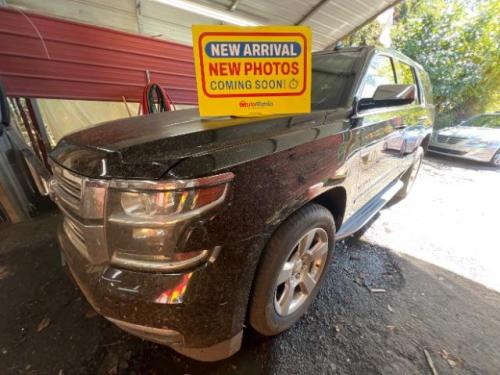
(47, 327)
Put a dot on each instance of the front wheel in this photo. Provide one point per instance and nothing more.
(410, 175)
(292, 269)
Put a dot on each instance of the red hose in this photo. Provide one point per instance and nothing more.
(163, 103)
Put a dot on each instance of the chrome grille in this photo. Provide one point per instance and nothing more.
(70, 184)
(81, 200)
(74, 231)
(449, 139)
(72, 187)
(446, 150)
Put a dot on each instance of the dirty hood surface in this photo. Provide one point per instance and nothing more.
(148, 147)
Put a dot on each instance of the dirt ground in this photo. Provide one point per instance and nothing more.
(46, 326)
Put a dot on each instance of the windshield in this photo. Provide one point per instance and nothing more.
(332, 79)
(485, 121)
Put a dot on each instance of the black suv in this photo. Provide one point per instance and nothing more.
(180, 229)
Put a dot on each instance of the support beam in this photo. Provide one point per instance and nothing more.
(38, 123)
(313, 10)
(138, 16)
(234, 5)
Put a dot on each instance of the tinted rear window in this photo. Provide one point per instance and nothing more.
(333, 77)
(406, 75)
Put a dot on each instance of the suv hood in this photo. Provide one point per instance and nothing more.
(149, 147)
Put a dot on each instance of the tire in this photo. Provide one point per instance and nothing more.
(410, 175)
(284, 259)
(495, 161)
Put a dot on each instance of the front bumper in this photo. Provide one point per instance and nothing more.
(481, 154)
(199, 313)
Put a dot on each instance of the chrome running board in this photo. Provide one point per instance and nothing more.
(369, 210)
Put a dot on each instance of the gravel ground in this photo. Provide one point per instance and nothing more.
(46, 327)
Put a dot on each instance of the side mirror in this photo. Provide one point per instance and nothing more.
(388, 96)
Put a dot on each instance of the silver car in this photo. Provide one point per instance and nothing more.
(478, 139)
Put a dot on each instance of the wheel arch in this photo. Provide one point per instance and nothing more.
(335, 200)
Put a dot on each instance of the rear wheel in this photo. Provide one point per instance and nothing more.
(411, 175)
(292, 269)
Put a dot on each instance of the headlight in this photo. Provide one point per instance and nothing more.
(147, 222)
(147, 205)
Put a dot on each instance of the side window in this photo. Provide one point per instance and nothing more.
(406, 75)
(380, 72)
(427, 86)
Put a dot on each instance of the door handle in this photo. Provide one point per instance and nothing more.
(402, 126)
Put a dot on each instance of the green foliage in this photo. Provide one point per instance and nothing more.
(457, 43)
(366, 36)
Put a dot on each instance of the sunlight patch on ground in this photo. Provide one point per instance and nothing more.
(450, 219)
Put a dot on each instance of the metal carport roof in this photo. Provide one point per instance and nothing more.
(49, 57)
(330, 20)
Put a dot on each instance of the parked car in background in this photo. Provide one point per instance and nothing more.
(183, 230)
(478, 139)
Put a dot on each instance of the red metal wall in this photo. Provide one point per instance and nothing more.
(51, 58)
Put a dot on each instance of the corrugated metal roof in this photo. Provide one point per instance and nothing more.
(81, 62)
(332, 20)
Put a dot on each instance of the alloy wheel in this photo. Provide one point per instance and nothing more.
(301, 272)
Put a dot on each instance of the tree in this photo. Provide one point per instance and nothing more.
(368, 35)
(457, 43)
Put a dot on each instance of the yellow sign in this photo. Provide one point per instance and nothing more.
(252, 71)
